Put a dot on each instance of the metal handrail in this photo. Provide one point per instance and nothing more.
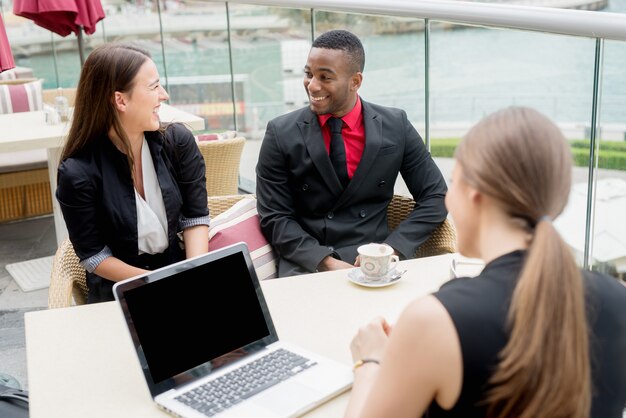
(591, 24)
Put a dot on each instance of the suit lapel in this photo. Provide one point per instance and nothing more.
(373, 126)
(313, 139)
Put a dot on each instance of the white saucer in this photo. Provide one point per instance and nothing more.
(356, 276)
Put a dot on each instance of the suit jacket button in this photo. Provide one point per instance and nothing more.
(330, 215)
(305, 187)
(382, 183)
(362, 213)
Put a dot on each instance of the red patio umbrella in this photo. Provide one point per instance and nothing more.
(63, 16)
(6, 57)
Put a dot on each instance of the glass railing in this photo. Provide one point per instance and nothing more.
(239, 64)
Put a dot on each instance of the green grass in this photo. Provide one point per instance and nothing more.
(443, 147)
(612, 154)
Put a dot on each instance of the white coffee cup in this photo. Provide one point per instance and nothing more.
(377, 260)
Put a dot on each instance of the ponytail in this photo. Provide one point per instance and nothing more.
(544, 369)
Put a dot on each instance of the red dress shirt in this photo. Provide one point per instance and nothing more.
(353, 133)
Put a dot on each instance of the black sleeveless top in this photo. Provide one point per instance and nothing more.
(479, 307)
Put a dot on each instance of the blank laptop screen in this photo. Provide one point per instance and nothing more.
(197, 315)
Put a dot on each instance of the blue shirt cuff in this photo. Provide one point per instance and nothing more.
(92, 262)
(184, 223)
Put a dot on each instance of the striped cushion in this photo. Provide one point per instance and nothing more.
(8, 75)
(241, 223)
(24, 97)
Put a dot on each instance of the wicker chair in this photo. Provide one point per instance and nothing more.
(218, 204)
(49, 95)
(25, 194)
(222, 159)
(68, 278)
(441, 241)
(25, 191)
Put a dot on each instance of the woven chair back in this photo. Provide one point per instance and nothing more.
(222, 159)
(50, 94)
(441, 241)
(68, 278)
(24, 194)
(219, 204)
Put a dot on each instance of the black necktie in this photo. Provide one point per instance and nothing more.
(337, 150)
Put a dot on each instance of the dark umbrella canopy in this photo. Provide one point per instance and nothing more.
(6, 57)
(62, 16)
(89, 13)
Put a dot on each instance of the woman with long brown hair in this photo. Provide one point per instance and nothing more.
(532, 335)
(126, 183)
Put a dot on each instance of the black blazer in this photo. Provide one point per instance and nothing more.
(97, 196)
(307, 215)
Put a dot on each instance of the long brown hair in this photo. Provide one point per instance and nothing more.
(520, 158)
(108, 68)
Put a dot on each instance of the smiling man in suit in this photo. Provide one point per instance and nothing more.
(326, 172)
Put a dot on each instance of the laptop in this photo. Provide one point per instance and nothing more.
(207, 346)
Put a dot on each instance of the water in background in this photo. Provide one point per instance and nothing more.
(473, 72)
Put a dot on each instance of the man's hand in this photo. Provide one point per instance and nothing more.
(331, 263)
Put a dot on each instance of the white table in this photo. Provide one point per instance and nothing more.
(28, 131)
(81, 362)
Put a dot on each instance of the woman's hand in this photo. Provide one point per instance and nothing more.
(371, 340)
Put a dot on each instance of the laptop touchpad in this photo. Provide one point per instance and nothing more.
(289, 399)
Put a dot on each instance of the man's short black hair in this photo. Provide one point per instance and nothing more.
(345, 41)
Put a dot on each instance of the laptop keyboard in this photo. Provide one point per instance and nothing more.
(228, 390)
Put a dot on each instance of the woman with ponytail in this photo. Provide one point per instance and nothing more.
(532, 335)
